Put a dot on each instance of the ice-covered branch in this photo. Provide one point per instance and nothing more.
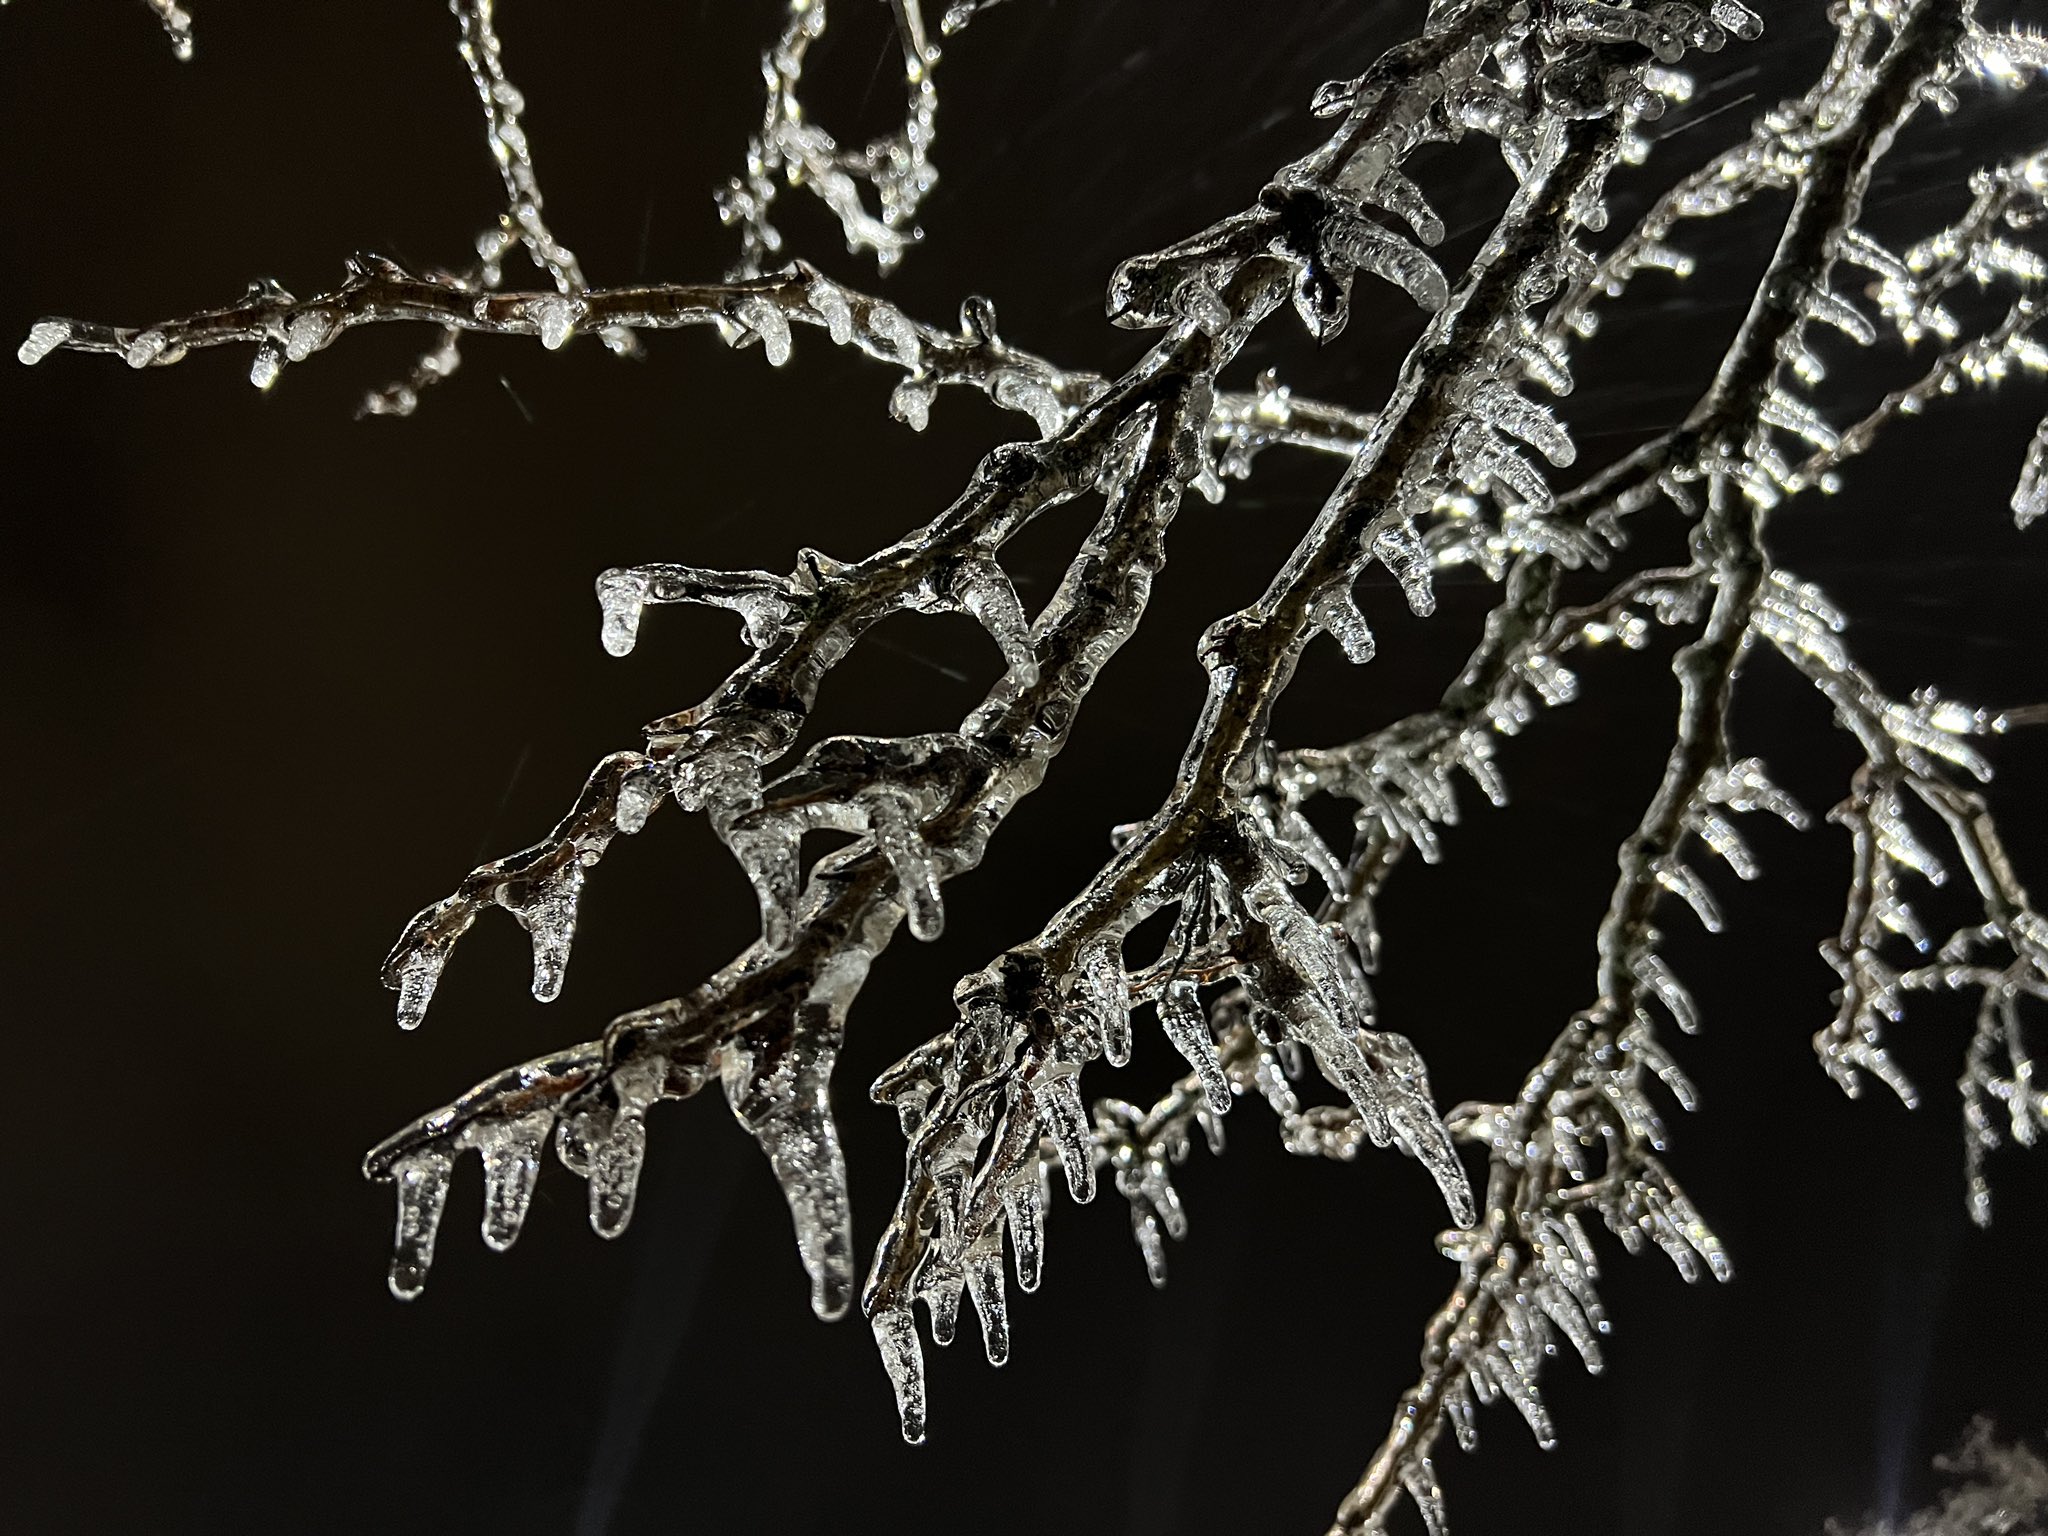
(790, 148)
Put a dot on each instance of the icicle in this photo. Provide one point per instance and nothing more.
(762, 317)
(2030, 496)
(511, 1156)
(903, 1358)
(1027, 1231)
(549, 915)
(418, 974)
(767, 851)
(1480, 454)
(985, 1288)
(1187, 1026)
(941, 1296)
(1059, 1105)
(1336, 612)
(1501, 407)
(44, 337)
(1679, 879)
(1520, 1390)
(981, 588)
(1107, 990)
(1651, 971)
(1396, 547)
(830, 305)
(1404, 1084)
(894, 819)
(422, 1183)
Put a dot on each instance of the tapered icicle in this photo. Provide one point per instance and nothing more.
(764, 319)
(1108, 992)
(941, 1296)
(1397, 547)
(1684, 883)
(1652, 972)
(548, 913)
(1404, 1086)
(418, 974)
(903, 1358)
(2030, 496)
(1059, 1104)
(1187, 1026)
(1500, 406)
(893, 818)
(1027, 1231)
(615, 1174)
(422, 1184)
(511, 1151)
(985, 1289)
(1336, 612)
(792, 1122)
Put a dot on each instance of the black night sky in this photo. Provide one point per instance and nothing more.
(272, 678)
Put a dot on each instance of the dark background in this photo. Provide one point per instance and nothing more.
(274, 678)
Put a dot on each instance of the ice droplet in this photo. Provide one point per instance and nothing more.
(911, 403)
(307, 332)
(422, 1183)
(44, 337)
(831, 306)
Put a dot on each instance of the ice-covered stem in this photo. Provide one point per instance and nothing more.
(521, 224)
(1581, 1141)
(792, 149)
(745, 311)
